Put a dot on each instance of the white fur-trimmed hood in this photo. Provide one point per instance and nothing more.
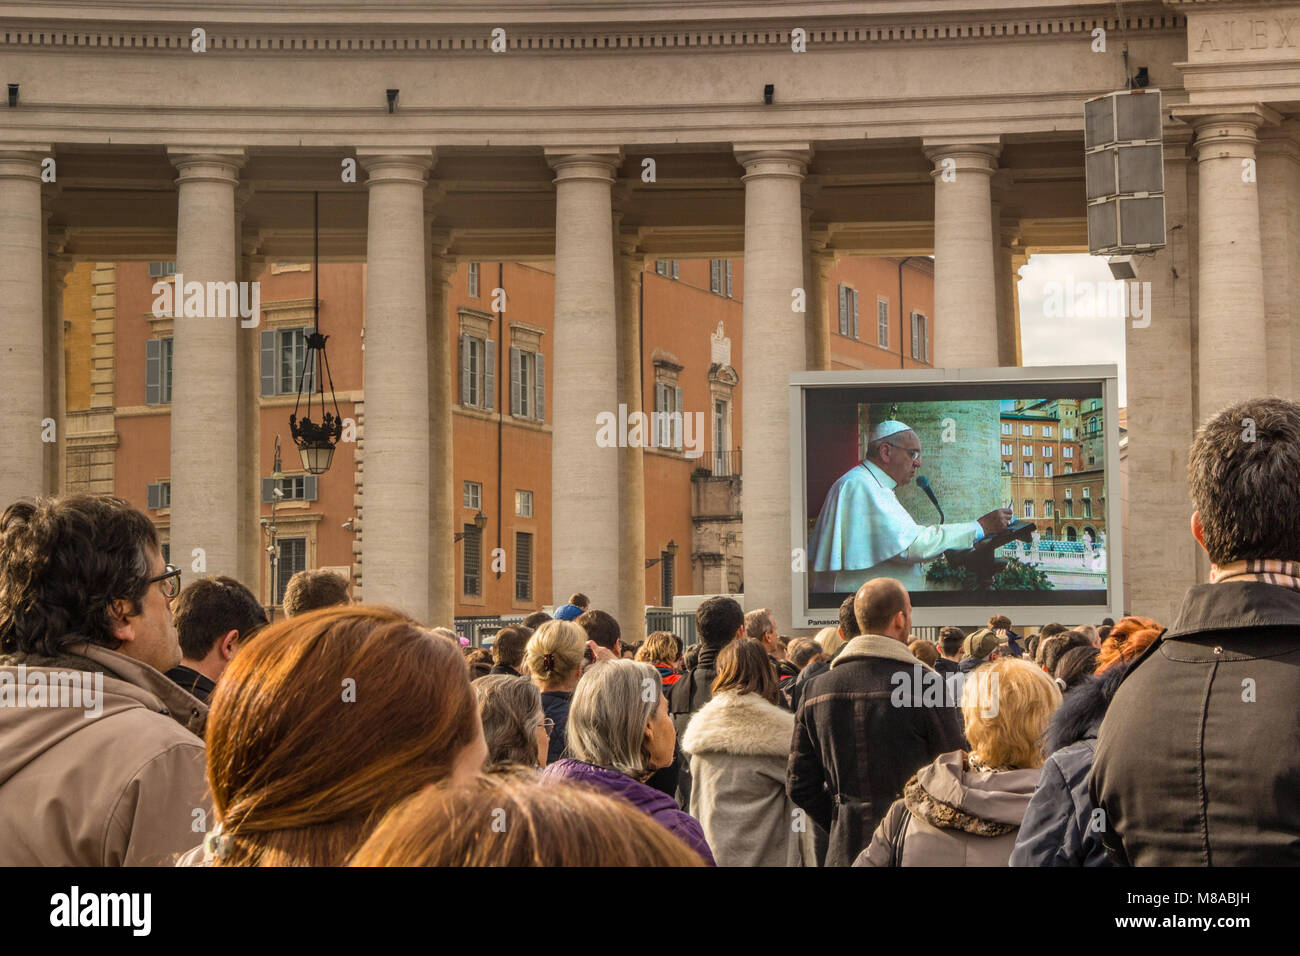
(740, 724)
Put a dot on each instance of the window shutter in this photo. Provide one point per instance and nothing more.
(539, 387)
(674, 268)
(677, 419)
(516, 357)
(843, 311)
(154, 495)
(153, 373)
(268, 361)
(855, 313)
(659, 416)
(309, 488)
(268, 484)
(464, 369)
(715, 278)
(728, 267)
(490, 375)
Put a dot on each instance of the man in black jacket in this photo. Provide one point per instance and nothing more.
(861, 730)
(1198, 759)
(718, 622)
(213, 616)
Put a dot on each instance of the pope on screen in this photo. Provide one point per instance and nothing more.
(863, 532)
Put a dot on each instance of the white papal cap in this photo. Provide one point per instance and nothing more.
(887, 428)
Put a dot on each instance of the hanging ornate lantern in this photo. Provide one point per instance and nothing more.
(316, 438)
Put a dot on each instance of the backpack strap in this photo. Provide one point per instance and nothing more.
(898, 837)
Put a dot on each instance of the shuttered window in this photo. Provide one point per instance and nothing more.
(291, 558)
(473, 280)
(283, 355)
(159, 495)
(920, 337)
(882, 323)
(292, 488)
(666, 579)
(523, 566)
(527, 384)
(158, 371)
(478, 360)
(473, 561)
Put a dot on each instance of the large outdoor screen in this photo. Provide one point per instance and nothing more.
(981, 490)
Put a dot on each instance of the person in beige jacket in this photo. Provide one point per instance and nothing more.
(101, 759)
(739, 744)
(965, 809)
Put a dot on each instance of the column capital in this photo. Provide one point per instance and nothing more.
(23, 160)
(585, 162)
(207, 163)
(774, 159)
(396, 165)
(968, 154)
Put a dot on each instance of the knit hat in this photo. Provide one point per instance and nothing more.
(568, 612)
(982, 643)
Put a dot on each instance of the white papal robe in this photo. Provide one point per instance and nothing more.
(863, 532)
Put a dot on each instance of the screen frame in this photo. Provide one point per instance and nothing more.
(1107, 376)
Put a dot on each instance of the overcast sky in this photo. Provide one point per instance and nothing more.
(1094, 337)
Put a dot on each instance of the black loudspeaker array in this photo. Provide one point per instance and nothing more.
(1124, 162)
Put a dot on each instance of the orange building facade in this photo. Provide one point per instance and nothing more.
(500, 337)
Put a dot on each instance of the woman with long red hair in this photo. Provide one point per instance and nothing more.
(322, 724)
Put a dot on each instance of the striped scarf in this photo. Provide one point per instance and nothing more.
(1267, 570)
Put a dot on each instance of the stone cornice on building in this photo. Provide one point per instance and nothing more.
(451, 29)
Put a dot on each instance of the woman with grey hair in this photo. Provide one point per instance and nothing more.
(619, 733)
(514, 725)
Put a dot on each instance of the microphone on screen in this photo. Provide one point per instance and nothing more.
(923, 483)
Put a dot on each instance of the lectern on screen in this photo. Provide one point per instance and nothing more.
(902, 474)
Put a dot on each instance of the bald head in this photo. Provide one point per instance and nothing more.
(882, 606)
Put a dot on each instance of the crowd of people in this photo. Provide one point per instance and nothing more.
(202, 734)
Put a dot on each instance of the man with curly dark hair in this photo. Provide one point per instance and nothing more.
(114, 776)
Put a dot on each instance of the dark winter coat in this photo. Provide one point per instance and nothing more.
(1058, 828)
(650, 801)
(1198, 758)
(691, 692)
(946, 667)
(854, 747)
(555, 705)
(801, 682)
(503, 670)
(196, 684)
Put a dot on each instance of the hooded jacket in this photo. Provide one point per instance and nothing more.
(950, 815)
(739, 745)
(1059, 828)
(648, 800)
(121, 787)
(1198, 758)
(854, 746)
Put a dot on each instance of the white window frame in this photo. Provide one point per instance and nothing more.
(1027, 451)
(1029, 469)
(1006, 428)
(1047, 469)
(1026, 431)
(523, 503)
(1067, 452)
(472, 495)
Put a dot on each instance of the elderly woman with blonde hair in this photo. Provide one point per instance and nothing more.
(965, 808)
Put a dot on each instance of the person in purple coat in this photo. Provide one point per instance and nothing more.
(619, 733)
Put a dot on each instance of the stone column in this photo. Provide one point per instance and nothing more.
(249, 411)
(396, 373)
(1232, 355)
(1162, 409)
(1008, 298)
(631, 462)
(57, 268)
(775, 346)
(585, 494)
(442, 502)
(205, 425)
(816, 266)
(22, 295)
(1279, 220)
(965, 292)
